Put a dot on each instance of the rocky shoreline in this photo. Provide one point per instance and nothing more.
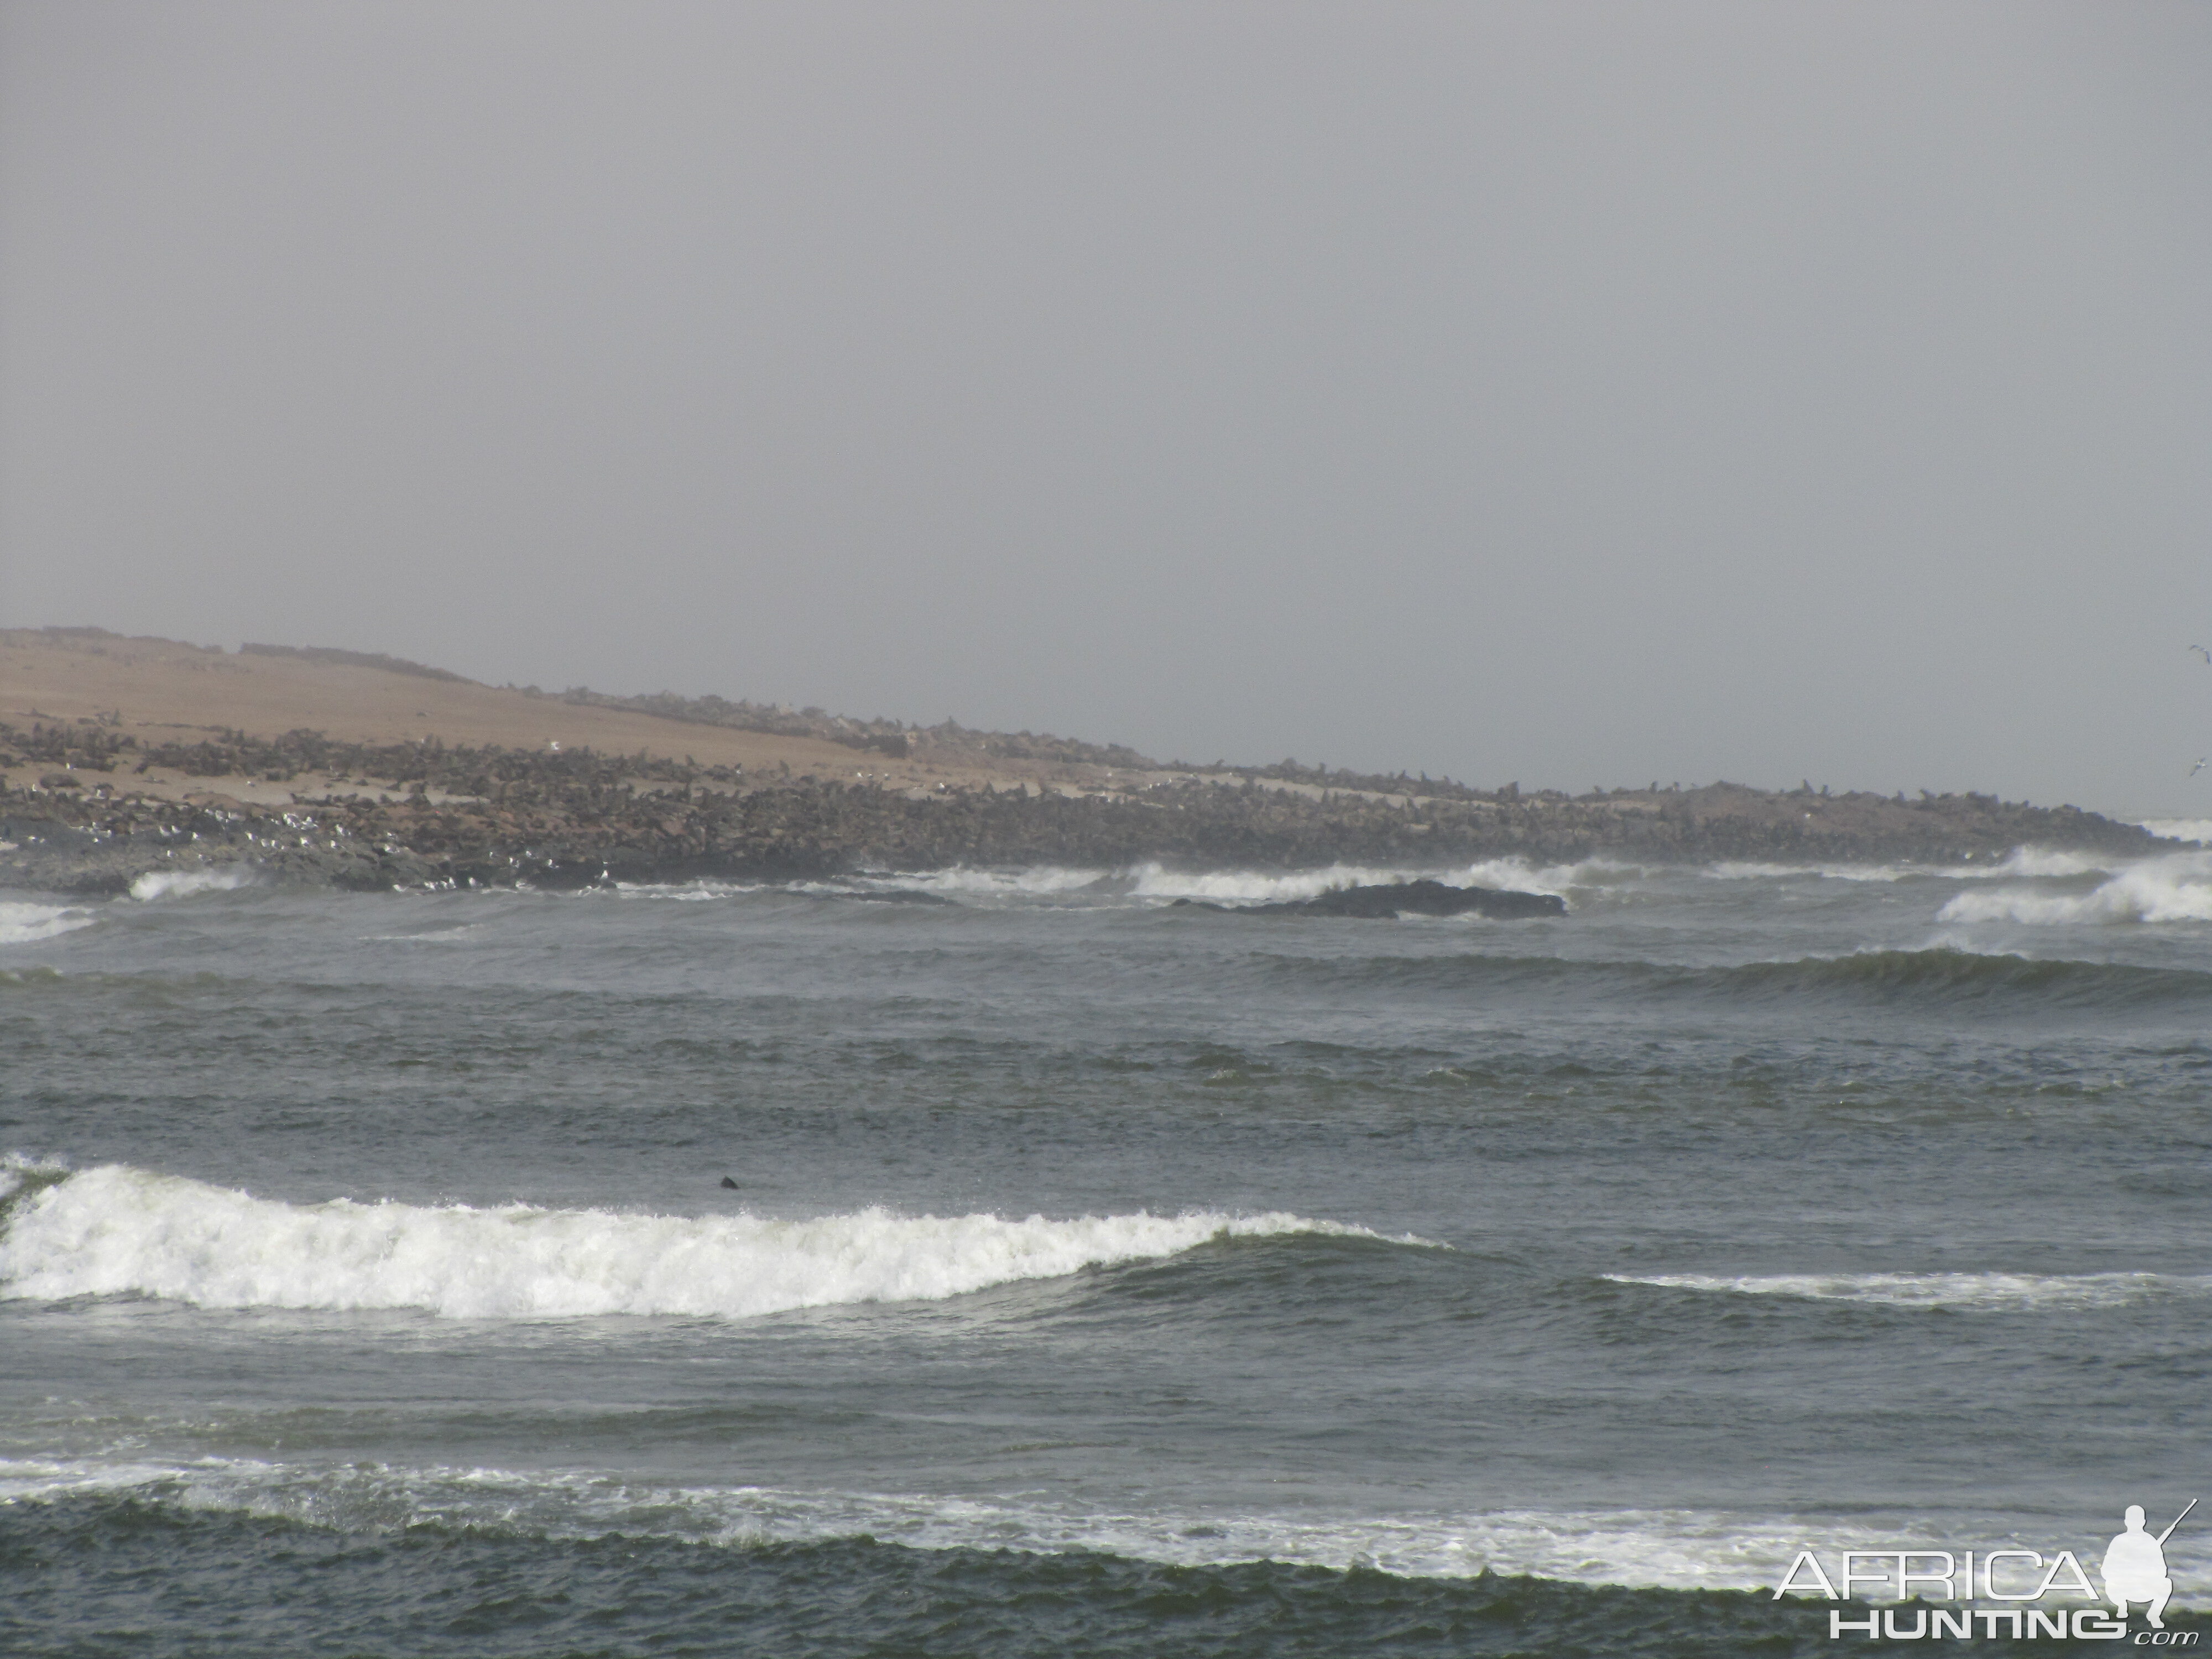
(403, 815)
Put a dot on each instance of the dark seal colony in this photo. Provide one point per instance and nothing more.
(427, 812)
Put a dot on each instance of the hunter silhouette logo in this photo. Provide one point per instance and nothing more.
(2135, 1567)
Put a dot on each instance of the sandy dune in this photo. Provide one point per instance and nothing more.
(161, 691)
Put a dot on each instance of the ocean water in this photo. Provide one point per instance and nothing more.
(1101, 1276)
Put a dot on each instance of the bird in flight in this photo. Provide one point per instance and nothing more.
(2201, 764)
(2201, 652)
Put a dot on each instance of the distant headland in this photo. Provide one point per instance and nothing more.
(119, 757)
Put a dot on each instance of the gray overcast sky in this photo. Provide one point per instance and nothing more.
(1574, 393)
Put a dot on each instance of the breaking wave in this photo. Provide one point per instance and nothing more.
(1682, 1549)
(1152, 881)
(24, 923)
(183, 883)
(2195, 829)
(1150, 884)
(2020, 862)
(2175, 888)
(1153, 884)
(115, 1230)
(1039, 880)
(1745, 870)
(1989, 1292)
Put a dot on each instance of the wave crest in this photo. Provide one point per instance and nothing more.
(1916, 979)
(183, 883)
(2176, 887)
(1684, 1548)
(22, 923)
(1989, 1292)
(1949, 975)
(1153, 881)
(117, 1231)
(2197, 830)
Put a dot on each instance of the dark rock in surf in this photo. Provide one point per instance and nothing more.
(729, 1183)
(1402, 898)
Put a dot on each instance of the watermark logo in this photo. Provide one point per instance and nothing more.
(2002, 1590)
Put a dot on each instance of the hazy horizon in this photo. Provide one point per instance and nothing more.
(1568, 395)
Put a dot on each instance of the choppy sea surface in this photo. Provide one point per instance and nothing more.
(1101, 1276)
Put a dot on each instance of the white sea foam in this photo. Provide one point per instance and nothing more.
(1263, 887)
(1744, 870)
(2038, 861)
(2174, 888)
(2020, 862)
(1036, 881)
(1254, 886)
(183, 883)
(33, 1479)
(456, 935)
(1151, 883)
(1990, 1292)
(703, 890)
(117, 1231)
(2195, 829)
(25, 923)
(15, 1168)
(1040, 880)
(1674, 1549)
(1562, 880)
